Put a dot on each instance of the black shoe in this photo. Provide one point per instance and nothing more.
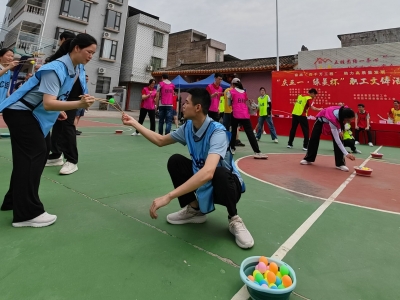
(78, 132)
(239, 143)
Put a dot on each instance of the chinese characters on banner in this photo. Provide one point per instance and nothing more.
(375, 87)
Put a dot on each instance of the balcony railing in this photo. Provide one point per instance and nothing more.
(32, 9)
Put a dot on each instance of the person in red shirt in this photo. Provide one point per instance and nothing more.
(362, 124)
(215, 91)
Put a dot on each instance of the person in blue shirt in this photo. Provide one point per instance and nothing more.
(209, 177)
(29, 113)
(6, 64)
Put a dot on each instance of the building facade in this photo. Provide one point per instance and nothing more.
(34, 26)
(145, 50)
(191, 46)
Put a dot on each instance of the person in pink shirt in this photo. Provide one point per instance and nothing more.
(215, 91)
(147, 106)
(164, 100)
(240, 103)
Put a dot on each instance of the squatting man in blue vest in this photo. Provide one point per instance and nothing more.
(209, 177)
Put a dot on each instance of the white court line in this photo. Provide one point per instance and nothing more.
(242, 294)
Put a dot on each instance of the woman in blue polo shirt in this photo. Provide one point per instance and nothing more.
(6, 64)
(29, 113)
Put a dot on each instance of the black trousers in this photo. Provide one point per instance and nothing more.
(152, 117)
(357, 134)
(214, 115)
(29, 152)
(302, 120)
(313, 145)
(350, 143)
(247, 129)
(226, 185)
(63, 138)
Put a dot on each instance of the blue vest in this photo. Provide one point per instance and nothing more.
(4, 85)
(47, 118)
(199, 152)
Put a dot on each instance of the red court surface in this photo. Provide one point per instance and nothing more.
(322, 179)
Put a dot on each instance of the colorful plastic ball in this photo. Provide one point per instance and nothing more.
(286, 281)
(264, 286)
(273, 267)
(250, 277)
(262, 267)
(257, 268)
(278, 281)
(255, 272)
(278, 274)
(271, 277)
(111, 100)
(281, 287)
(258, 277)
(263, 282)
(32, 62)
(264, 260)
(272, 286)
(256, 282)
(266, 274)
(284, 270)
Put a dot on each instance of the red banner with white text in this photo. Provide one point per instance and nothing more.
(375, 87)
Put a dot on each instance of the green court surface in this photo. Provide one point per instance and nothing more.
(104, 244)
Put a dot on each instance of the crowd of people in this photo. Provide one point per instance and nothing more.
(56, 96)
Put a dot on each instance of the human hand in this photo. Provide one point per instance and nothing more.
(12, 64)
(350, 156)
(341, 135)
(158, 203)
(86, 101)
(367, 128)
(62, 116)
(127, 120)
(357, 127)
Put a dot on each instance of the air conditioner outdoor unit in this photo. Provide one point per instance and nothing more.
(149, 68)
(101, 70)
(106, 35)
(110, 6)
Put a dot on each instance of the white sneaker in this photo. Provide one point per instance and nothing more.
(357, 151)
(260, 156)
(68, 168)
(304, 162)
(304, 149)
(257, 139)
(276, 141)
(233, 151)
(55, 162)
(135, 133)
(186, 215)
(370, 144)
(243, 237)
(343, 168)
(43, 220)
(288, 146)
(357, 143)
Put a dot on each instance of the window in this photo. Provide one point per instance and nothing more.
(109, 49)
(113, 19)
(118, 1)
(156, 62)
(217, 55)
(158, 39)
(103, 85)
(60, 30)
(76, 9)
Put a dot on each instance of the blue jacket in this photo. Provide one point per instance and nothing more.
(65, 73)
(4, 85)
(199, 152)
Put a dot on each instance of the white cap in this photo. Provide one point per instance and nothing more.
(235, 80)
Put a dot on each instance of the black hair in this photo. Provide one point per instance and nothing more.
(313, 91)
(86, 75)
(4, 51)
(165, 76)
(61, 51)
(345, 113)
(262, 88)
(217, 75)
(151, 81)
(82, 40)
(396, 101)
(362, 105)
(67, 35)
(239, 85)
(202, 97)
